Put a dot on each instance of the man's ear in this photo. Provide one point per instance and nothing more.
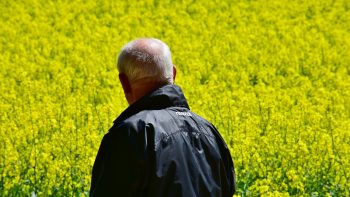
(174, 73)
(125, 83)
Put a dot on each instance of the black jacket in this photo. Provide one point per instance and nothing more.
(158, 148)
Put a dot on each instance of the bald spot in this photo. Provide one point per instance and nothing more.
(148, 46)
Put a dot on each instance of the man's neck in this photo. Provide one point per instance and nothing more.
(143, 87)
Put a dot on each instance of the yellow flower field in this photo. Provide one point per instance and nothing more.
(272, 75)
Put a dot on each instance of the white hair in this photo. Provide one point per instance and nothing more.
(146, 58)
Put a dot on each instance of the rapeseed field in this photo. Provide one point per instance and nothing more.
(272, 75)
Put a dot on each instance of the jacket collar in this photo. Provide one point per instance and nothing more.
(163, 97)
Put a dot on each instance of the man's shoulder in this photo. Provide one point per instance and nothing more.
(170, 118)
(149, 116)
(145, 117)
(137, 122)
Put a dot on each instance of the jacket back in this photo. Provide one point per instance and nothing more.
(158, 147)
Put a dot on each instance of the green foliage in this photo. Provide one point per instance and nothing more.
(273, 76)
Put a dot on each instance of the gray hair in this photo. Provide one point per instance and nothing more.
(146, 58)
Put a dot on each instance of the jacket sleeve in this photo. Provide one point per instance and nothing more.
(228, 163)
(116, 169)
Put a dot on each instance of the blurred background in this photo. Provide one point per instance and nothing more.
(273, 76)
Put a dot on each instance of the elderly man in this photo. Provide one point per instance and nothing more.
(157, 147)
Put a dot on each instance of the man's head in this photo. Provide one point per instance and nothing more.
(144, 65)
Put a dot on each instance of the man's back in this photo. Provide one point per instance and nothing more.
(158, 147)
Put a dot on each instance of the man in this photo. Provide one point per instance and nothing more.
(157, 147)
